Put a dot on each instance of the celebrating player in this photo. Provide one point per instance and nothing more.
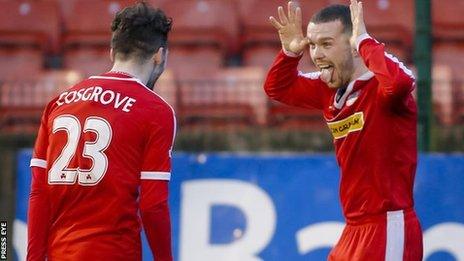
(103, 153)
(365, 97)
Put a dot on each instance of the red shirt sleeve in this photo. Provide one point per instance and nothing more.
(155, 174)
(285, 84)
(157, 154)
(38, 216)
(39, 156)
(154, 210)
(395, 80)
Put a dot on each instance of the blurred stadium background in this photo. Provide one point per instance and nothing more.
(220, 51)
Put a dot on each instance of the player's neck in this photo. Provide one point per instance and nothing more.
(139, 71)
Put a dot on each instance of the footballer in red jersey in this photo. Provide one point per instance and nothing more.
(365, 97)
(103, 155)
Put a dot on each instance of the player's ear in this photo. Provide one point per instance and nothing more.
(112, 55)
(355, 53)
(158, 56)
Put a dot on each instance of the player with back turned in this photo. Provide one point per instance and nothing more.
(365, 97)
(103, 154)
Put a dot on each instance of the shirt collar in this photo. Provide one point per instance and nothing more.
(118, 74)
(338, 103)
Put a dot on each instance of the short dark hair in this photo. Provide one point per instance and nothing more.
(139, 31)
(333, 13)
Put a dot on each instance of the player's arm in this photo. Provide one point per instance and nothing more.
(155, 175)
(38, 216)
(283, 82)
(396, 80)
(154, 209)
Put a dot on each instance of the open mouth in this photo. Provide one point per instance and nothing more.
(324, 66)
(326, 73)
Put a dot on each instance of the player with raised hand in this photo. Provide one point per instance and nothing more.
(357, 19)
(365, 97)
(103, 154)
(290, 29)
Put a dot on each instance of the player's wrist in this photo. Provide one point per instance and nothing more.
(291, 54)
(361, 38)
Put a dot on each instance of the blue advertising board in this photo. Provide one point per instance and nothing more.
(279, 206)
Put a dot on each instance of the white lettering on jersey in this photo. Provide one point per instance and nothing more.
(97, 94)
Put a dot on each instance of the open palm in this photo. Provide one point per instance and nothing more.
(357, 20)
(289, 28)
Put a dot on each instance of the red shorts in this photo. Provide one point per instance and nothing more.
(394, 236)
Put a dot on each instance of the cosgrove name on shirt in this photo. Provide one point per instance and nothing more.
(97, 94)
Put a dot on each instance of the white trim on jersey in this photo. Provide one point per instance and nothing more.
(366, 76)
(361, 38)
(173, 133)
(395, 236)
(38, 163)
(116, 78)
(155, 175)
(400, 64)
(365, 36)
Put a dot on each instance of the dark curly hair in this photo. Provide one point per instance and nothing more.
(139, 31)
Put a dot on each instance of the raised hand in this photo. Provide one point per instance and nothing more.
(357, 19)
(289, 27)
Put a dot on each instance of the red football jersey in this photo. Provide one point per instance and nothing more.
(373, 124)
(97, 141)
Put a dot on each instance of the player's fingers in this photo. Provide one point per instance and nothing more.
(354, 8)
(275, 23)
(282, 17)
(353, 3)
(360, 12)
(298, 19)
(352, 11)
(290, 7)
